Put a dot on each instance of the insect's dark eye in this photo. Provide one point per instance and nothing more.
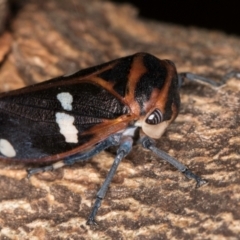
(155, 117)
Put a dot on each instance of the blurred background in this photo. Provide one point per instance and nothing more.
(215, 15)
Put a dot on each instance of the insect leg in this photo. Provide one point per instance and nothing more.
(232, 74)
(195, 77)
(113, 140)
(149, 144)
(124, 148)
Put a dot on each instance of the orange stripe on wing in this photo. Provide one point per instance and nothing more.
(100, 132)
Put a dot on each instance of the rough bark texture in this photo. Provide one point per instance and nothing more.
(148, 198)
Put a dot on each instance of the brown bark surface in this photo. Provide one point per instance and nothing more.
(148, 198)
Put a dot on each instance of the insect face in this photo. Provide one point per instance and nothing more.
(162, 104)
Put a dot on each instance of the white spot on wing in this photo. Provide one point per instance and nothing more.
(67, 129)
(66, 100)
(6, 148)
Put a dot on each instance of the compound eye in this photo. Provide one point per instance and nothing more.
(155, 117)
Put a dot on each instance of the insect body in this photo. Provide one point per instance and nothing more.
(72, 118)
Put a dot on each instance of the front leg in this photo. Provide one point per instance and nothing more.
(149, 144)
(124, 148)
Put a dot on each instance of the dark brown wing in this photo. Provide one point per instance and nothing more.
(64, 116)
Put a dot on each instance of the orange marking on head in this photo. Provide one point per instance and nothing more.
(137, 70)
(164, 92)
(159, 97)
